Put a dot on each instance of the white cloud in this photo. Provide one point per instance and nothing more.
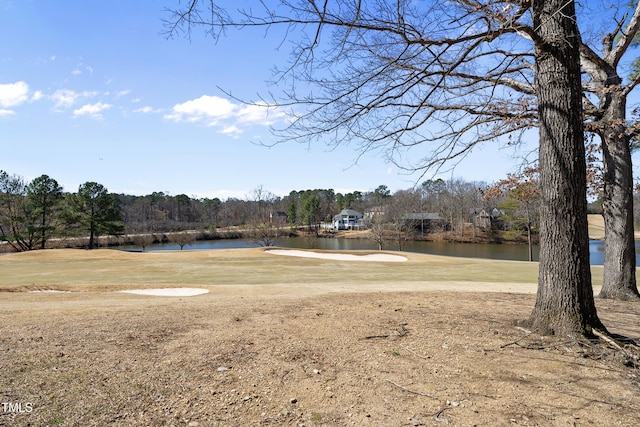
(231, 130)
(13, 94)
(206, 109)
(81, 69)
(231, 118)
(6, 113)
(92, 110)
(65, 98)
(260, 114)
(146, 110)
(37, 95)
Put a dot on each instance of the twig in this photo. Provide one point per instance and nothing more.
(517, 342)
(526, 331)
(414, 353)
(375, 336)
(442, 419)
(254, 374)
(632, 360)
(608, 340)
(412, 391)
(403, 330)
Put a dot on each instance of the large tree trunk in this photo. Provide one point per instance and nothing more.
(565, 303)
(619, 245)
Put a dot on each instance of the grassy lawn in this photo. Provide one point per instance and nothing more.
(596, 227)
(106, 269)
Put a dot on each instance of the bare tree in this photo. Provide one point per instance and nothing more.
(431, 192)
(13, 227)
(456, 203)
(605, 90)
(377, 221)
(401, 221)
(260, 228)
(524, 190)
(564, 303)
(143, 239)
(605, 99)
(264, 234)
(429, 81)
(183, 238)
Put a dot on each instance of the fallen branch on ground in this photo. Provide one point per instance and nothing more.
(412, 391)
(369, 337)
(414, 353)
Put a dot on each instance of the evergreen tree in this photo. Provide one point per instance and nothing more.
(44, 196)
(94, 210)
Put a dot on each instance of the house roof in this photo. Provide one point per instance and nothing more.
(349, 212)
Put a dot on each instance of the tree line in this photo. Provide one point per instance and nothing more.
(33, 213)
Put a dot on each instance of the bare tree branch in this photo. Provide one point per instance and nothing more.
(384, 75)
(627, 33)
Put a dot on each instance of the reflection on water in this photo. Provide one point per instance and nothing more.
(470, 250)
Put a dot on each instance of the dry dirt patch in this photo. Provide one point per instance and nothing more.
(383, 359)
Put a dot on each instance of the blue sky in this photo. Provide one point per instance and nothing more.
(92, 91)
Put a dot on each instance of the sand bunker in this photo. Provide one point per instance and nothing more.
(339, 257)
(168, 292)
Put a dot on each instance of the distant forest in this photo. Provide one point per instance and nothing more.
(34, 214)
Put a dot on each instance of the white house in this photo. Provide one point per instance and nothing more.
(347, 219)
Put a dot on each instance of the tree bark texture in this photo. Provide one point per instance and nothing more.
(565, 304)
(619, 280)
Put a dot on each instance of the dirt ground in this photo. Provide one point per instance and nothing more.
(368, 359)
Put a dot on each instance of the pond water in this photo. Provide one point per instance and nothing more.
(470, 250)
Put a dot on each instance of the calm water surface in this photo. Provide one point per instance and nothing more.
(469, 250)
